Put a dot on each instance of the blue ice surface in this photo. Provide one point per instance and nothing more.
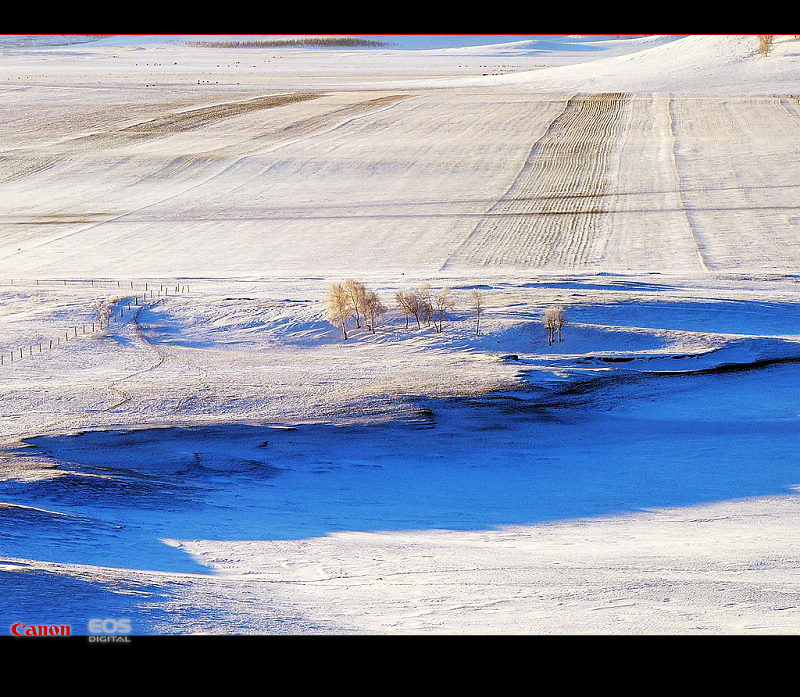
(621, 445)
(713, 316)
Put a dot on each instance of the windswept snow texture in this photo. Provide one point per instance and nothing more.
(218, 459)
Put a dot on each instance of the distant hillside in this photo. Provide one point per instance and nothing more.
(34, 40)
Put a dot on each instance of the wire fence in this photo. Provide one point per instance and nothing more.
(113, 311)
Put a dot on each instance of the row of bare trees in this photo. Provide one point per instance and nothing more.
(352, 300)
(425, 305)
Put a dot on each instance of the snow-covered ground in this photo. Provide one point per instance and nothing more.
(219, 460)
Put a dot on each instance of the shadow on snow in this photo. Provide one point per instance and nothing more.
(600, 447)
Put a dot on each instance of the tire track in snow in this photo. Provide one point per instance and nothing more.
(161, 359)
(183, 403)
(696, 241)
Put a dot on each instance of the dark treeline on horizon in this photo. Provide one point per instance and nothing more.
(300, 43)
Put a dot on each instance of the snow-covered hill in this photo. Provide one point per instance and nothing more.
(716, 64)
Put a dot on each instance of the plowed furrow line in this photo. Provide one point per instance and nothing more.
(551, 213)
(770, 234)
(738, 222)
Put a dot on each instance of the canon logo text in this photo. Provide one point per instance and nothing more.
(20, 629)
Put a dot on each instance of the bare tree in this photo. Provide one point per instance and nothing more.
(339, 307)
(425, 298)
(477, 309)
(373, 309)
(765, 42)
(102, 310)
(549, 322)
(554, 319)
(443, 302)
(355, 292)
(405, 301)
(561, 321)
(411, 304)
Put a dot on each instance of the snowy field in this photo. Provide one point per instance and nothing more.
(217, 459)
